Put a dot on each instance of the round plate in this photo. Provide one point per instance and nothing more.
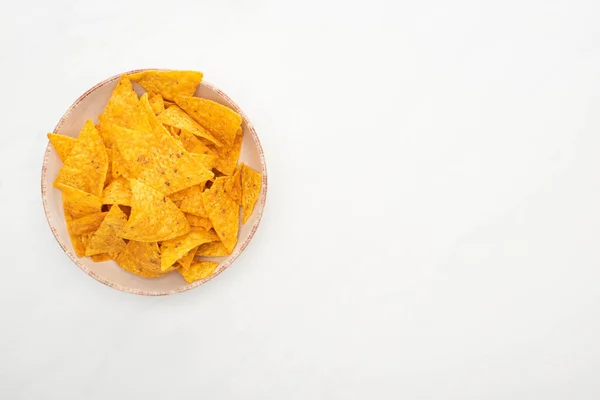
(89, 106)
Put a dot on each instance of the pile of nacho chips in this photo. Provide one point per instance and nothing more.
(155, 185)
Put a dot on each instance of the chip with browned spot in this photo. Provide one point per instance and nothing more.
(157, 103)
(221, 121)
(86, 166)
(192, 203)
(251, 185)
(154, 217)
(168, 83)
(227, 157)
(141, 258)
(223, 212)
(118, 192)
(105, 239)
(172, 250)
(198, 270)
(233, 185)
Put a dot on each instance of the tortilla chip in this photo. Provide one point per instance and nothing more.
(62, 144)
(174, 116)
(169, 104)
(118, 192)
(88, 224)
(227, 157)
(173, 131)
(141, 258)
(168, 83)
(221, 121)
(154, 217)
(198, 270)
(157, 103)
(212, 249)
(223, 213)
(101, 257)
(208, 160)
(105, 239)
(251, 184)
(233, 185)
(79, 203)
(85, 167)
(76, 240)
(109, 175)
(191, 143)
(121, 110)
(192, 203)
(186, 260)
(172, 250)
(199, 222)
(159, 160)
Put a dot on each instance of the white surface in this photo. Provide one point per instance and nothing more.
(431, 226)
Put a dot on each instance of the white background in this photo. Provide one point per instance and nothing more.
(431, 228)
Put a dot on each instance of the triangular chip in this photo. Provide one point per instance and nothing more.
(219, 120)
(251, 184)
(227, 157)
(198, 270)
(121, 110)
(141, 258)
(79, 203)
(88, 224)
(172, 250)
(118, 192)
(154, 217)
(212, 249)
(166, 166)
(157, 103)
(192, 203)
(76, 240)
(105, 239)
(223, 212)
(186, 260)
(199, 222)
(62, 144)
(176, 117)
(208, 160)
(191, 143)
(168, 83)
(233, 185)
(85, 167)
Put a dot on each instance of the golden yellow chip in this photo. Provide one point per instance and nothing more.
(168, 83)
(101, 257)
(157, 159)
(118, 192)
(212, 249)
(120, 110)
(174, 131)
(174, 116)
(79, 203)
(233, 185)
(180, 195)
(208, 160)
(141, 258)
(199, 222)
(192, 203)
(191, 143)
(88, 224)
(172, 250)
(157, 103)
(85, 167)
(169, 104)
(186, 260)
(154, 217)
(76, 240)
(219, 120)
(198, 270)
(251, 184)
(227, 157)
(109, 175)
(62, 144)
(223, 212)
(105, 239)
